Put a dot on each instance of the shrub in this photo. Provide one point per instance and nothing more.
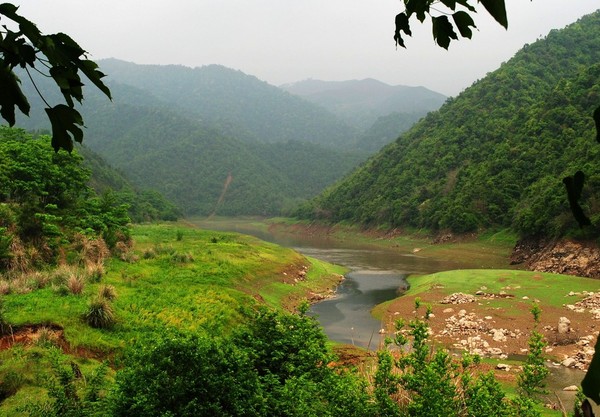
(100, 314)
(108, 292)
(187, 375)
(75, 284)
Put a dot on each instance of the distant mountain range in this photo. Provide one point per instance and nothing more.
(361, 102)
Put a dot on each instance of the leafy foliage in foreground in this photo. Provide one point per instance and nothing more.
(45, 202)
(494, 155)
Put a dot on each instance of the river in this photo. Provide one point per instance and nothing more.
(377, 274)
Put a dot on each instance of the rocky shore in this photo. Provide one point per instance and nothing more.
(559, 256)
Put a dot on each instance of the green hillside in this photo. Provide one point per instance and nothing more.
(496, 154)
(161, 146)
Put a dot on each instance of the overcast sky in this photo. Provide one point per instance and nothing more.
(282, 41)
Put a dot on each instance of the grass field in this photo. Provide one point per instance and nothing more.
(174, 277)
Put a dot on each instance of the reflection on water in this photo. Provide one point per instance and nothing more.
(347, 317)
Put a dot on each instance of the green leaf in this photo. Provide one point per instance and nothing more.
(443, 31)
(11, 95)
(90, 69)
(497, 9)
(591, 382)
(65, 122)
(463, 21)
(597, 120)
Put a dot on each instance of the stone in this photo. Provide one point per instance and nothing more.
(525, 297)
(448, 310)
(571, 388)
(564, 325)
(568, 362)
(503, 367)
(498, 335)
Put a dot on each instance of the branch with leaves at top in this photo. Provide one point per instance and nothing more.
(57, 54)
(439, 11)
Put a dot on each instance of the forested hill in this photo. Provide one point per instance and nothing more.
(494, 155)
(160, 146)
(240, 105)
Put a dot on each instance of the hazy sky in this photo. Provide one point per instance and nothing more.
(281, 41)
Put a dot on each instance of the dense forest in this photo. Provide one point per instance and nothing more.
(493, 156)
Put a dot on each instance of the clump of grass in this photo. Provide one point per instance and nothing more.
(5, 327)
(5, 288)
(92, 251)
(100, 314)
(149, 253)
(108, 292)
(162, 250)
(75, 284)
(45, 337)
(182, 258)
(179, 235)
(11, 383)
(95, 272)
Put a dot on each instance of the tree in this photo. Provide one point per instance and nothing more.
(56, 56)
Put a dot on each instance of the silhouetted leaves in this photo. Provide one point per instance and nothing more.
(591, 383)
(574, 186)
(443, 31)
(65, 120)
(463, 21)
(442, 28)
(401, 25)
(11, 95)
(64, 58)
(497, 9)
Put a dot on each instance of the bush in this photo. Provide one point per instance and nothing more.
(187, 375)
(100, 314)
(107, 292)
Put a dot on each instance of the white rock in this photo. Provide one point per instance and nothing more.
(448, 310)
(503, 366)
(568, 362)
(564, 325)
(571, 388)
(525, 297)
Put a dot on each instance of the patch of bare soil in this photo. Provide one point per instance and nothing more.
(29, 335)
(470, 322)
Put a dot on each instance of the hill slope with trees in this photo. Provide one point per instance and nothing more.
(493, 156)
(160, 145)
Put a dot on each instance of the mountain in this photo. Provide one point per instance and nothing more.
(361, 102)
(196, 161)
(240, 105)
(496, 155)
